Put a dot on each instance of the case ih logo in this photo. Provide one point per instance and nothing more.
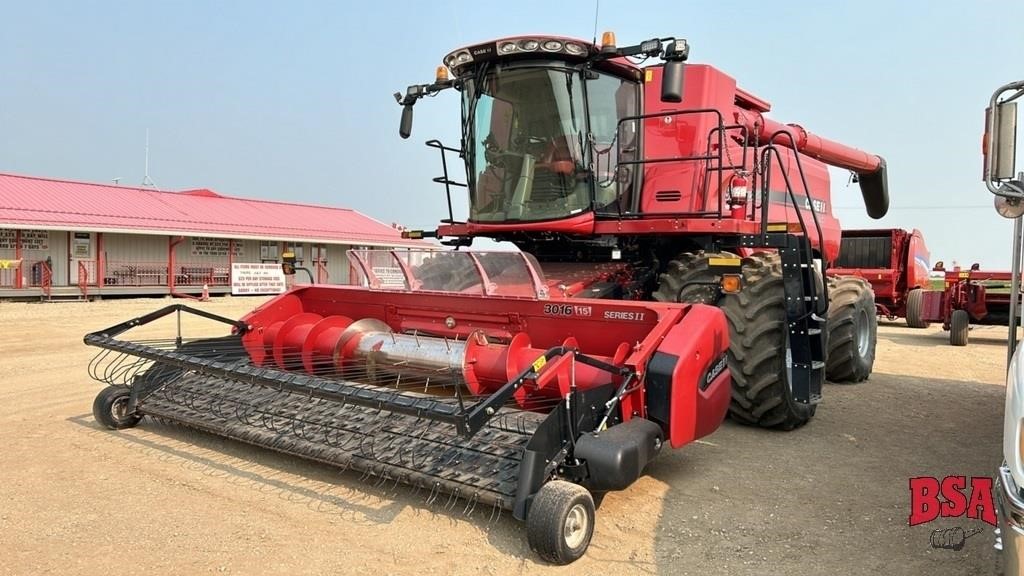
(950, 498)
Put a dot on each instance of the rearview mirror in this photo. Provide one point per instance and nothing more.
(672, 81)
(1009, 207)
(1001, 142)
(405, 127)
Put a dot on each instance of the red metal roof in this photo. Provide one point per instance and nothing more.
(45, 203)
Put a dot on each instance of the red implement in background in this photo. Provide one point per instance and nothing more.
(968, 297)
(895, 262)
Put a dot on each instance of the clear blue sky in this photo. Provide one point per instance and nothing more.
(293, 101)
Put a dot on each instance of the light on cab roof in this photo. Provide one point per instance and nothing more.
(608, 41)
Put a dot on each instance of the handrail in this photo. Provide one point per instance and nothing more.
(323, 276)
(444, 179)
(83, 279)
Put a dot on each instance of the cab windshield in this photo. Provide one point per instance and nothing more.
(525, 136)
(532, 154)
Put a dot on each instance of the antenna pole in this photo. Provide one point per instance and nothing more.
(597, 10)
(146, 180)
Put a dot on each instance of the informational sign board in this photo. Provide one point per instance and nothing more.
(30, 239)
(389, 276)
(255, 278)
(215, 247)
(80, 245)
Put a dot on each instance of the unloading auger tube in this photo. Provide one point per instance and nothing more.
(869, 168)
(508, 403)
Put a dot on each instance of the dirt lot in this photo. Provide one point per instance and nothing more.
(831, 498)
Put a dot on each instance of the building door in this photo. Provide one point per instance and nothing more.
(82, 257)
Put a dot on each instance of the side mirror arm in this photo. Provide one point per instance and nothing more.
(412, 94)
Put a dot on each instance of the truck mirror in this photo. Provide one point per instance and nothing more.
(1009, 207)
(405, 128)
(672, 81)
(1001, 142)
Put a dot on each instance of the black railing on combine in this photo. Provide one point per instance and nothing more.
(444, 179)
(716, 136)
(771, 150)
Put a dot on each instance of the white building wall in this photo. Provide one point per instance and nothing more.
(46, 244)
(131, 258)
(59, 256)
(134, 248)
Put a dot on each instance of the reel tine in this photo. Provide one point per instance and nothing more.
(468, 511)
(496, 511)
(434, 491)
(366, 474)
(453, 499)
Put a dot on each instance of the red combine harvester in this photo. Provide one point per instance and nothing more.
(972, 296)
(668, 242)
(895, 262)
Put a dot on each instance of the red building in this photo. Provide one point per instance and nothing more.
(65, 238)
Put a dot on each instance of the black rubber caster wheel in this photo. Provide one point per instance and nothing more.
(111, 408)
(560, 522)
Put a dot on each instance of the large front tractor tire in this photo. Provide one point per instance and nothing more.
(852, 330)
(761, 394)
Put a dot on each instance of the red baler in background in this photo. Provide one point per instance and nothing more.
(895, 262)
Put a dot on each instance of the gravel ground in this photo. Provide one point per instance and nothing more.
(831, 498)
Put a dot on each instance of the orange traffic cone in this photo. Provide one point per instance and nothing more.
(206, 293)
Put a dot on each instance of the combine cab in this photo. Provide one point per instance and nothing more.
(490, 396)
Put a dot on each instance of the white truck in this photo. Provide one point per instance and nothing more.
(1002, 179)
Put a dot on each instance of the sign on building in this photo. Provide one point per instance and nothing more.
(255, 278)
(30, 239)
(81, 245)
(215, 247)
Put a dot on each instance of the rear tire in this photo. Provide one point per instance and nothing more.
(852, 330)
(959, 326)
(110, 408)
(560, 523)
(758, 341)
(450, 272)
(915, 301)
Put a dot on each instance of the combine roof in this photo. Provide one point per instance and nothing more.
(49, 204)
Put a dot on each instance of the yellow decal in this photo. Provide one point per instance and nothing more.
(539, 363)
(965, 274)
(5, 264)
(778, 227)
(723, 261)
(648, 75)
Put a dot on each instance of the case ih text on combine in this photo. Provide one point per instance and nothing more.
(670, 239)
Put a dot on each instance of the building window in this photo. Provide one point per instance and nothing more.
(268, 251)
(318, 252)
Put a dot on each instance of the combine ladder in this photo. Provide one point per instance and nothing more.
(806, 296)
